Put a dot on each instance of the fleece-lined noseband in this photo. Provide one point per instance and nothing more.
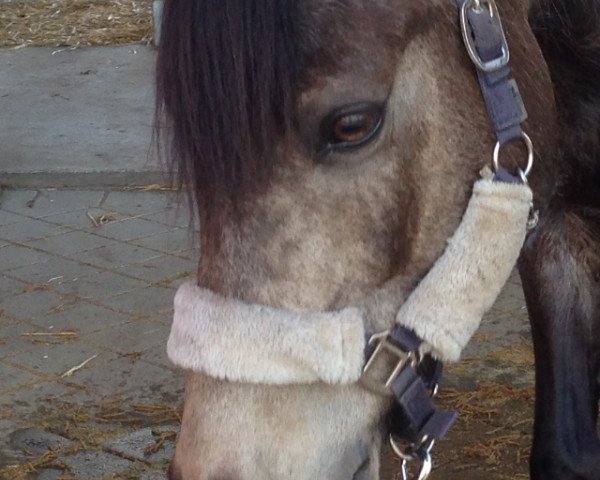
(238, 342)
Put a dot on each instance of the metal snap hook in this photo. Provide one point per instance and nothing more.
(418, 453)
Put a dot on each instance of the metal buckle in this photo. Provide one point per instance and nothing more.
(403, 358)
(478, 7)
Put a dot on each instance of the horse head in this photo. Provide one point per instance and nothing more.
(331, 148)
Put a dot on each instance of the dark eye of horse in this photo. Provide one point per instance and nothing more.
(350, 127)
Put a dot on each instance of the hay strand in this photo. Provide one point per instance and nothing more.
(74, 23)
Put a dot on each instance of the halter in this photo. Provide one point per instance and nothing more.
(486, 45)
(234, 341)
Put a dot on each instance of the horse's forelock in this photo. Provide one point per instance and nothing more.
(225, 76)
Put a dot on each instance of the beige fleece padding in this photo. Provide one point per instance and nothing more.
(234, 341)
(447, 306)
(231, 340)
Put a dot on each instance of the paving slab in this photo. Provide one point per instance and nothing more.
(145, 301)
(70, 243)
(135, 445)
(77, 117)
(131, 337)
(90, 465)
(5, 322)
(17, 200)
(51, 474)
(9, 286)
(51, 271)
(130, 380)
(154, 476)
(160, 268)
(30, 229)
(56, 359)
(32, 305)
(131, 229)
(50, 287)
(15, 256)
(101, 286)
(82, 219)
(8, 218)
(43, 203)
(115, 255)
(8, 455)
(82, 318)
(173, 217)
(171, 241)
(36, 442)
(158, 356)
(139, 203)
(14, 339)
(47, 402)
(13, 377)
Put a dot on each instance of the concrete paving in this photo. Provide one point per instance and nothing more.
(77, 118)
(86, 288)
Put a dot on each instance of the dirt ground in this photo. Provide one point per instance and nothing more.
(492, 438)
(74, 23)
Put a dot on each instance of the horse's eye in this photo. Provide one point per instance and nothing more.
(353, 127)
(350, 127)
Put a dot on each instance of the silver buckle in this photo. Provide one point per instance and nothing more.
(402, 358)
(478, 7)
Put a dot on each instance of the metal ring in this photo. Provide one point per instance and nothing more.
(412, 451)
(530, 157)
(406, 455)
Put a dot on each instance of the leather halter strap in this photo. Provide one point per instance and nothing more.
(414, 389)
(414, 379)
(485, 41)
(484, 37)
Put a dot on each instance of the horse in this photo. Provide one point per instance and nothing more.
(330, 148)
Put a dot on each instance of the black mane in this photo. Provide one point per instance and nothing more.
(225, 78)
(569, 34)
